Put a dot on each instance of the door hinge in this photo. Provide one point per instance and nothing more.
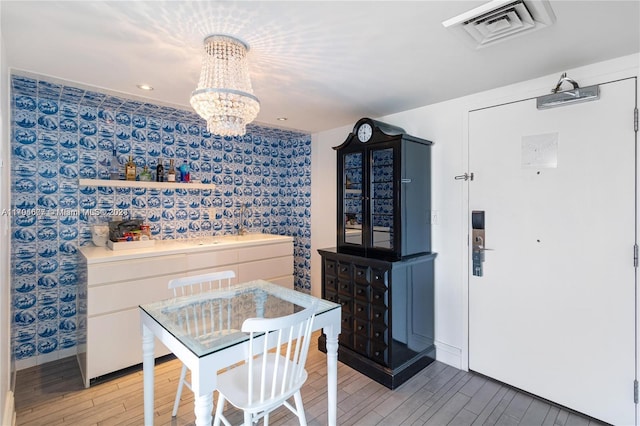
(466, 176)
(635, 391)
(635, 255)
(635, 119)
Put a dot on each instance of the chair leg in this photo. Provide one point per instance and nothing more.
(219, 409)
(183, 375)
(248, 419)
(300, 409)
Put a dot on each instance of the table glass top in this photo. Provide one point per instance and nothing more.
(211, 321)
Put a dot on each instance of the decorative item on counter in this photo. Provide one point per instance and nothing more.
(114, 166)
(145, 175)
(99, 234)
(171, 174)
(159, 171)
(130, 169)
(129, 234)
(184, 172)
(118, 230)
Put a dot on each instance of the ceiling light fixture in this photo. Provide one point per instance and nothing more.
(224, 97)
(145, 87)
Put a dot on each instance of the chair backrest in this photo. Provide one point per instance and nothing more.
(280, 373)
(207, 319)
(198, 283)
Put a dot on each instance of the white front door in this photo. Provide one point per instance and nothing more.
(554, 310)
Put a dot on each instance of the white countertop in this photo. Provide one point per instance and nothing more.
(193, 245)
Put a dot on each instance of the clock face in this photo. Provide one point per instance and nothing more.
(364, 132)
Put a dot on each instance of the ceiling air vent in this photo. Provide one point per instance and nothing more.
(500, 19)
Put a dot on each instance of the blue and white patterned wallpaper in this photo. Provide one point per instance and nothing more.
(61, 133)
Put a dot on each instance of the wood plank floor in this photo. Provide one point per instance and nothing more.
(439, 395)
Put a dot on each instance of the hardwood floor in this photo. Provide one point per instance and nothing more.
(439, 395)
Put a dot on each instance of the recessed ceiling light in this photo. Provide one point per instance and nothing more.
(144, 87)
(282, 119)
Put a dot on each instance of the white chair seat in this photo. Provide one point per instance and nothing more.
(233, 383)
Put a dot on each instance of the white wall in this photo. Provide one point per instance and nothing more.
(6, 394)
(446, 125)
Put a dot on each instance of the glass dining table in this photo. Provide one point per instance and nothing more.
(203, 331)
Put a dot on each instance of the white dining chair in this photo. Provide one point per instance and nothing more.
(269, 378)
(192, 285)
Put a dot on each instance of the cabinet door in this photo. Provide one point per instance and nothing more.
(353, 198)
(381, 234)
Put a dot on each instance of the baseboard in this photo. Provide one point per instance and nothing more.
(9, 414)
(449, 354)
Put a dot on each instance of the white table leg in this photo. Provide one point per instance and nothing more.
(332, 374)
(148, 364)
(203, 406)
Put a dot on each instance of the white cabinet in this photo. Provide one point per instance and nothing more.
(115, 283)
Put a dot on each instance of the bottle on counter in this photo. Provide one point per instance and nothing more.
(171, 174)
(145, 175)
(114, 166)
(159, 171)
(184, 172)
(130, 169)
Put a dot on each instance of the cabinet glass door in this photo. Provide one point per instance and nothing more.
(382, 198)
(353, 198)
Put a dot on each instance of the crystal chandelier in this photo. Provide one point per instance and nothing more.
(224, 97)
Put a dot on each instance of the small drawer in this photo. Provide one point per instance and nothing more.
(330, 295)
(361, 274)
(346, 303)
(330, 267)
(346, 339)
(344, 287)
(379, 333)
(380, 353)
(379, 315)
(346, 323)
(361, 344)
(379, 277)
(361, 327)
(379, 297)
(361, 292)
(361, 310)
(344, 270)
(330, 283)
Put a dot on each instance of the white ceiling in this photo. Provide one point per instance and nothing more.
(322, 64)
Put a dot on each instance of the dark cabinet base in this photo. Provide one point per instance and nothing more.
(391, 378)
(388, 319)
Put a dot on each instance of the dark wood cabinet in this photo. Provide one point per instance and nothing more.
(387, 313)
(384, 197)
(382, 270)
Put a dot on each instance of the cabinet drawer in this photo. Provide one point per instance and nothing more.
(379, 353)
(345, 287)
(361, 327)
(379, 277)
(210, 259)
(361, 292)
(347, 323)
(330, 295)
(265, 252)
(361, 274)
(265, 269)
(347, 305)
(379, 297)
(346, 339)
(130, 270)
(379, 333)
(361, 310)
(330, 283)
(330, 267)
(361, 344)
(127, 294)
(344, 270)
(379, 315)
